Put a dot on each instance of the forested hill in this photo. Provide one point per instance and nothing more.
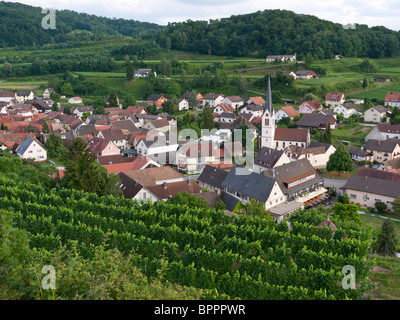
(21, 25)
(279, 32)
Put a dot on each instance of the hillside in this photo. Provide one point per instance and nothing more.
(20, 25)
(272, 32)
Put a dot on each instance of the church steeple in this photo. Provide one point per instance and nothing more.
(268, 121)
(268, 100)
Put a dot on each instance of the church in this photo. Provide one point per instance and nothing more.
(279, 138)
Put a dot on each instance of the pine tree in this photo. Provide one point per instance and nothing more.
(113, 100)
(130, 72)
(386, 242)
(208, 119)
(45, 127)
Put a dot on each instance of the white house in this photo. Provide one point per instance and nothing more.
(48, 92)
(334, 99)
(32, 149)
(79, 111)
(22, 96)
(375, 114)
(224, 108)
(255, 109)
(383, 132)
(346, 110)
(284, 112)
(183, 104)
(212, 100)
(392, 99)
(235, 101)
(75, 100)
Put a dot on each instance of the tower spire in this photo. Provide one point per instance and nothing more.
(268, 100)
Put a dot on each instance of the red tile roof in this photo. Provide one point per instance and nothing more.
(334, 96)
(392, 97)
(290, 111)
(291, 134)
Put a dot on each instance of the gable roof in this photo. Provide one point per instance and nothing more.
(26, 144)
(379, 108)
(291, 134)
(316, 120)
(267, 157)
(392, 97)
(373, 185)
(382, 145)
(313, 104)
(334, 96)
(248, 183)
(150, 176)
(213, 176)
(226, 107)
(389, 128)
(290, 111)
(379, 174)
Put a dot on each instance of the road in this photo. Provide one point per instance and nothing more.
(337, 183)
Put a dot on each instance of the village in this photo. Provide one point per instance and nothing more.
(155, 162)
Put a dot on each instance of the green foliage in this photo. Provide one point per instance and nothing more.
(55, 147)
(387, 241)
(254, 208)
(220, 205)
(67, 90)
(130, 72)
(396, 205)
(347, 212)
(45, 127)
(345, 199)
(380, 206)
(207, 119)
(185, 198)
(340, 160)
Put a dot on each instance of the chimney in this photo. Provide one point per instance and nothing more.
(165, 185)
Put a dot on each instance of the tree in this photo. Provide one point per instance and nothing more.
(55, 147)
(169, 107)
(347, 212)
(365, 83)
(344, 199)
(380, 206)
(192, 99)
(113, 99)
(387, 241)
(308, 60)
(220, 205)
(340, 160)
(130, 72)
(54, 107)
(208, 119)
(396, 205)
(45, 127)
(326, 137)
(241, 84)
(255, 208)
(185, 198)
(67, 90)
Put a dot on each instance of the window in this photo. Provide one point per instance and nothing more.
(144, 195)
(267, 122)
(353, 196)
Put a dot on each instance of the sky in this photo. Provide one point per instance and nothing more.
(370, 12)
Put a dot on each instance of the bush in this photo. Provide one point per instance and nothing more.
(380, 206)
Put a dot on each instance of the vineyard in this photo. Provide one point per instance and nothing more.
(229, 257)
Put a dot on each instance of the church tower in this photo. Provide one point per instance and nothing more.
(268, 121)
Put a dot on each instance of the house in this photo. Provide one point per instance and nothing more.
(375, 114)
(156, 100)
(139, 163)
(199, 96)
(183, 104)
(212, 100)
(227, 117)
(254, 109)
(306, 74)
(162, 125)
(212, 177)
(268, 158)
(288, 73)
(334, 99)
(317, 153)
(48, 92)
(8, 97)
(41, 106)
(359, 155)
(392, 166)
(310, 107)
(115, 135)
(383, 150)
(191, 157)
(160, 148)
(300, 184)
(381, 79)
(32, 149)
(102, 147)
(273, 58)
(126, 125)
(285, 112)
(366, 191)
(383, 132)
(79, 111)
(392, 99)
(347, 110)
(25, 95)
(255, 100)
(143, 73)
(74, 100)
(357, 101)
(155, 184)
(246, 185)
(224, 108)
(235, 101)
(316, 121)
